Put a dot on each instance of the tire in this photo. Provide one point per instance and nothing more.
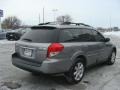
(111, 59)
(76, 73)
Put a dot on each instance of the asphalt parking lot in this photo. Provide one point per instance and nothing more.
(101, 77)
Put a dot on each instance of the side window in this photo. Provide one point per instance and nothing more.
(87, 35)
(76, 35)
(65, 36)
(98, 36)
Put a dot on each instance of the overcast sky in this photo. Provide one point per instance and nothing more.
(98, 13)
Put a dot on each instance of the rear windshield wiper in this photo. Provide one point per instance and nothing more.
(27, 39)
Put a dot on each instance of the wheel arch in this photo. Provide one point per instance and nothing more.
(84, 59)
(114, 49)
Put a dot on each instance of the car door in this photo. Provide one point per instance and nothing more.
(84, 41)
(91, 46)
(104, 47)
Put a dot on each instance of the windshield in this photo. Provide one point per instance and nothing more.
(40, 36)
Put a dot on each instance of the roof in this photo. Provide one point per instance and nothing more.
(63, 26)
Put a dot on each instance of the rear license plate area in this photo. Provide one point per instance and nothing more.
(27, 52)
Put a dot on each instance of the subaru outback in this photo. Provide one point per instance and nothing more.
(67, 49)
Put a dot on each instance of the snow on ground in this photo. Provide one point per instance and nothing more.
(113, 33)
(6, 42)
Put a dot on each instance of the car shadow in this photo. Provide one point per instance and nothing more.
(60, 78)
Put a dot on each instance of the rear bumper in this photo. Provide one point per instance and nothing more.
(47, 67)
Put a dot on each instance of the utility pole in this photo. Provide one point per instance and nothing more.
(43, 15)
(110, 23)
(0, 23)
(39, 18)
(54, 14)
(1, 15)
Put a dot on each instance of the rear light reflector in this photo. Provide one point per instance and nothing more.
(54, 49)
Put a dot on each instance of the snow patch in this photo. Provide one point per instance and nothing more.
(6, 42)
(113, 33)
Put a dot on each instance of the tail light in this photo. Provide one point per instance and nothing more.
(54, 49)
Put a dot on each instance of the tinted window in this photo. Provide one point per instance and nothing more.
(65, 36)
(98, 36)
(76, 35)
(83, 35)
(87, 35)
(40, 36)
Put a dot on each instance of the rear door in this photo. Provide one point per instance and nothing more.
(80, 40)
(89, 45)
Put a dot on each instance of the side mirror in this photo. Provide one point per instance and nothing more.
(107, 39)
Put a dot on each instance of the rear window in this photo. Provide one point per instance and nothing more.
(40, 36)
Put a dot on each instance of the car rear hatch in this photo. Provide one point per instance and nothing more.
(34, 44)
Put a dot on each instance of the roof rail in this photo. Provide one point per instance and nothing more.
(44, 23)
(70, 23)
(50, 23)
(65, 23)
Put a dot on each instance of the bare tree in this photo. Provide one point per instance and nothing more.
(11, 22)
(64, 18)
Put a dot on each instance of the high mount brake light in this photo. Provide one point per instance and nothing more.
(54, 49)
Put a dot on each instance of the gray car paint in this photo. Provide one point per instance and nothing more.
(94, 52)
